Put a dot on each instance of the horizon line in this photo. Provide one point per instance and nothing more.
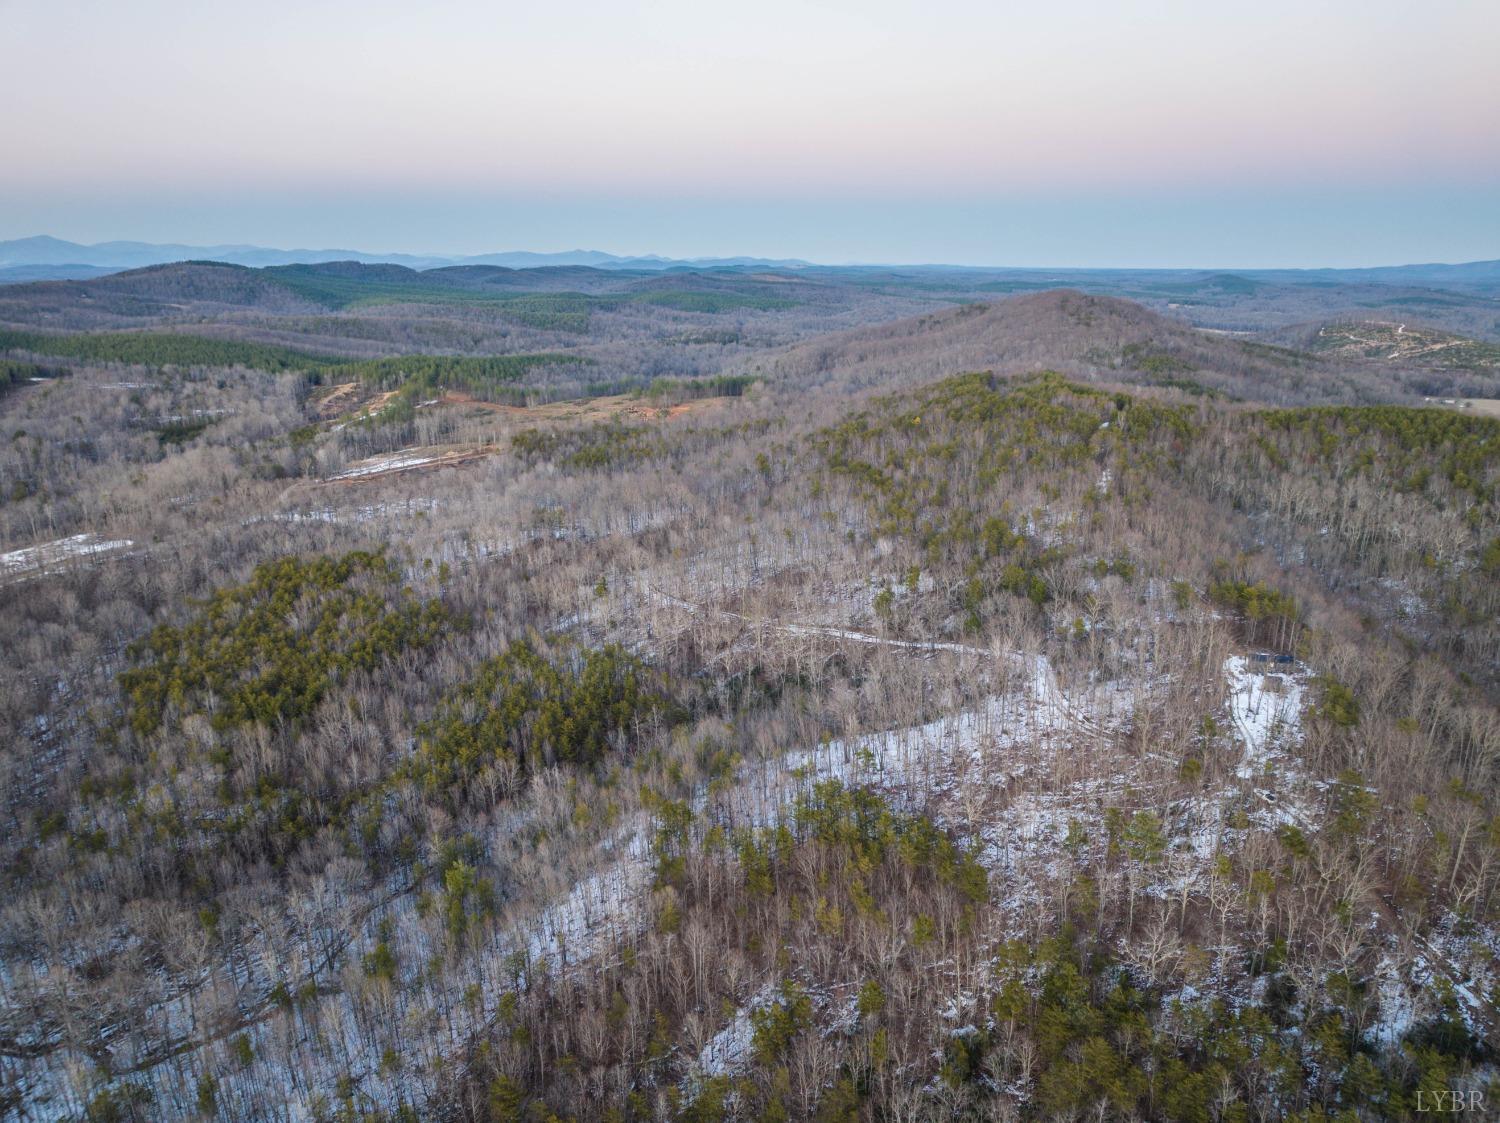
(703, 259)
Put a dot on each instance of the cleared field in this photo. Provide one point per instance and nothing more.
(589, 410)
(49, 556)
(1399, 342)
(1490, 407)
(408, 460)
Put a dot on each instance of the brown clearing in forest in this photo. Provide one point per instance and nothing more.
(587, 410)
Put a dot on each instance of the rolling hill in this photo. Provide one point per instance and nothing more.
(1084, 334)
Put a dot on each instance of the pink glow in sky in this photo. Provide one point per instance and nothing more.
(882, 99)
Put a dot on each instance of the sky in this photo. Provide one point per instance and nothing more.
(1071, 133)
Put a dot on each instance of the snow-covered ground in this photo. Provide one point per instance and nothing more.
(1266, 709)
(49, 555)
(728, 1049)
(402, 461)
(1003, 773)
(598, 910)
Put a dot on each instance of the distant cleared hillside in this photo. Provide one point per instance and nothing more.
(1384, 341)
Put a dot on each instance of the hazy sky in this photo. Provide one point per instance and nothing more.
(1074, 132)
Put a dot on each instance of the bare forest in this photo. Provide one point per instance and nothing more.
(558, 695)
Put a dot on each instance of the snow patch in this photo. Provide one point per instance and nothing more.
(51, 554)
(402, 461)
(729, 1048)
(1266, 709)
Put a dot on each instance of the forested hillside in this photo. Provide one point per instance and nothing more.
(728, 695)
(1096, 336)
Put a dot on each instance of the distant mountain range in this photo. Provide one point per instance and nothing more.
(46, 258)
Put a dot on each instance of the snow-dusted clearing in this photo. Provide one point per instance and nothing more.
(51, 554)
(402, 461)
(409, 460)
(1266, 709)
